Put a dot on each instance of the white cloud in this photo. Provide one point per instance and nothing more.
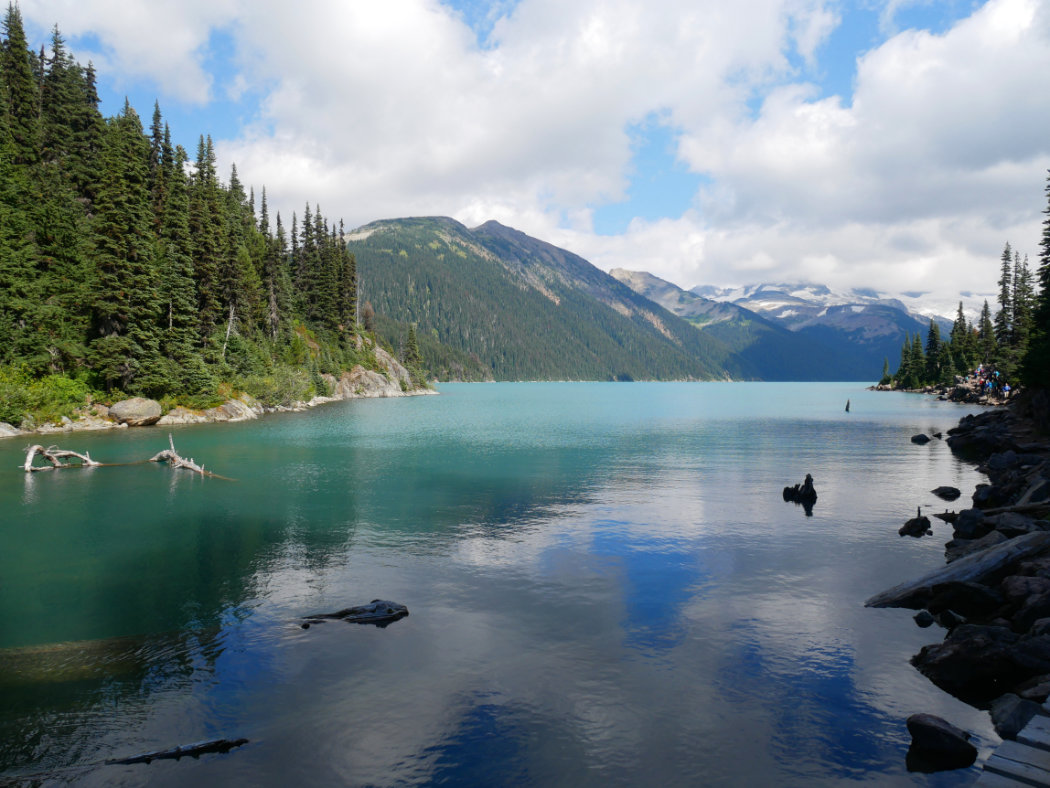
(161, 40)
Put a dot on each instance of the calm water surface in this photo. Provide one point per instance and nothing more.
(605, 587)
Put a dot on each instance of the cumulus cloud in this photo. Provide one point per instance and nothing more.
(377, 110)
(161, 40)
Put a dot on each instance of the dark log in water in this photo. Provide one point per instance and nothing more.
(379, 612)
(191, 750)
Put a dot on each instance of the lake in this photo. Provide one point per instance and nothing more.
(605, 587)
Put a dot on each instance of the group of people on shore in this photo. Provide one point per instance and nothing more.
(990, 382)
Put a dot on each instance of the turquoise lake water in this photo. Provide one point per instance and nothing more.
(605, 586)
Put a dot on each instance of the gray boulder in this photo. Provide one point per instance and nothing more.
(977, 663)
(1020, 587)
(7, 431)
(136, 412)
(1011, 713)
(937, 745)
(970, 524)
(1015, 524)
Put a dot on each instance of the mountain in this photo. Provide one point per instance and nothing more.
(525, 309)
(773, 349)
(870, 323)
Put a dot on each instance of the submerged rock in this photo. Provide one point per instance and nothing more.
(920, 439)
(946, 493)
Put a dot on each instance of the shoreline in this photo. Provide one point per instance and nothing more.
(991, 596)
(356, 383)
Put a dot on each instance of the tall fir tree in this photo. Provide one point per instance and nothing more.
(23, 95)
(1037, 361)
(126, 308)
(986, 344)
(1004, 316)
(933, 353)
(206, 229)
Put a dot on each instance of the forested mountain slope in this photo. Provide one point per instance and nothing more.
(525, 308)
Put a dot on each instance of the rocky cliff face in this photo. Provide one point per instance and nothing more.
(394, 381)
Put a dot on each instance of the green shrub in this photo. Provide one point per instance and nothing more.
(283, 387)
(45, 399)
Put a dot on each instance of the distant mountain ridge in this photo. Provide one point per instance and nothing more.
(777, 351)
(512, 307)
(525, 309)
(861, 324)
(801, 305)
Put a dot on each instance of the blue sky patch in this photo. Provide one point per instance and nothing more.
(660, 185)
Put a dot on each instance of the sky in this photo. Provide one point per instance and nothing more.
(888, 144)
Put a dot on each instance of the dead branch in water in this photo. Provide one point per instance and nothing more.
(172, 457)
(55, 456)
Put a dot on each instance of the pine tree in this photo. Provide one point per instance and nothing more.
(126, 308)
(933, 353)
(413, 360)
(61, 95)
(1023, 304)
(987, 347)
(1004, 317)
(1036, 370)
(917, 362)
(959, 341)
(206, 229)
(88, 129)
(23, 96)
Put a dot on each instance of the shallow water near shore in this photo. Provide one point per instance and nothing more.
(604, 583)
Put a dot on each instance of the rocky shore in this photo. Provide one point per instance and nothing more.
(992, 597)
(967, 391)
(358, 383)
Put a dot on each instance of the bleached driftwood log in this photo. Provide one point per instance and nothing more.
(172, 457)
(974, 567)
(55, 456)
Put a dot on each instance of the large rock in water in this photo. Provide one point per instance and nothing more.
(7, 431)
(937, 745)
(136, 412)
(978, 663)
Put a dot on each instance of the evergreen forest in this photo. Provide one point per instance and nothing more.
(1015, 342)
(128, 267)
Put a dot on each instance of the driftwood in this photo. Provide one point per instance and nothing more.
(55, 456)
(973, 567)
(172, 457)
(379, 612)
(191, 750)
